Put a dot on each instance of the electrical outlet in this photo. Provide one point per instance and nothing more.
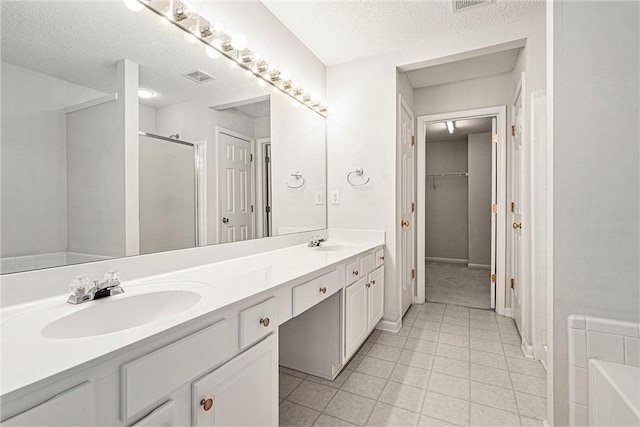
(319, 198)
(335, 197)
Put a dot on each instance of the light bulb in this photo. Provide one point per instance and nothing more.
(146, 93)
(315, 98)
(450, 126)
(239, 41)
(212, 53)
(232, 64)
(284, 75)
(133, 5)
(190, 36)
(295, 103)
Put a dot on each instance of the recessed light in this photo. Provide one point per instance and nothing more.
(146, 93)
(450, 126)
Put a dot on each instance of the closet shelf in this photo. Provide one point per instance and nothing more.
(449, 174)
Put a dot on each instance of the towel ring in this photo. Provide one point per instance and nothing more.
(358, 172)
(298, 176)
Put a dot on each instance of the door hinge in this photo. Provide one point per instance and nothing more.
(413, 140)
(267, 159)
(251, 208)
(513, 283)
(494, 138)
(251, 157)
(413, 207)
(494, 208)
(493, 278)
(413, 273)
(267, 209)
(513, 130)
(513, 207)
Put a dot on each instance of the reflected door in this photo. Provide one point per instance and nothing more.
(407, 205)
(234, 188)
(516, 210)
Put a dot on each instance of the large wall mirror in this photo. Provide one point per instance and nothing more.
(121, 137)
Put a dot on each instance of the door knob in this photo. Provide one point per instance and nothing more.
(225, 220)
(368, 285)
(404, 223)
(265, 322)
(517, 225)
(323, 289)
(206, 404)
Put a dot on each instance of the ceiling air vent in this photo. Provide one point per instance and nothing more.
(458, 5)
(199, 76)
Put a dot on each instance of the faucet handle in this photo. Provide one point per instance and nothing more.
(112, 276)
(81, 285)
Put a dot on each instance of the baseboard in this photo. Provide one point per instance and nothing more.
(479, 266)
(508, 312)
(389, 326)
(527, 349)
(451, 260)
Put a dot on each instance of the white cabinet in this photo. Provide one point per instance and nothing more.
(242, 392)
(375, 296)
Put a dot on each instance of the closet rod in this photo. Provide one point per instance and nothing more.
(449, 174)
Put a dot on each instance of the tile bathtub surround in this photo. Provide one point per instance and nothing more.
(442, 377)
(596, 338)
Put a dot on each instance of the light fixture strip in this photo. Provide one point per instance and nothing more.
(313, 105)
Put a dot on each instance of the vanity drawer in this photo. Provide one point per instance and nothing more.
(367, 264)
(258, 321)
(309, 294)
(379, 257)
(148, 379)
(352, 272)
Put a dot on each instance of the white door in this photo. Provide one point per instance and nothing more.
(375, 297)
(517, 246)
(407, 204)
(242, 392)
(356, 317)
(494, 202)
(235, 176)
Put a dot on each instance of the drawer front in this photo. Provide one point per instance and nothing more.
(367, 264)
(379, 257)
(148, 379)
(352, 272)
(309, 294)
(258, 321)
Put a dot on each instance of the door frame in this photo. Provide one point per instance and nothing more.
(263, 227)
(500, 112)
(252, 141)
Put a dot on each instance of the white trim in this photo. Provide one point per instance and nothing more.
(91, 103)
(501, 113)
(479, 265)
(451, 260)
(201, 175)
(389, 326)
(527, 349)
(508, 312)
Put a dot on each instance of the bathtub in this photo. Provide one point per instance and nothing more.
(614, 394)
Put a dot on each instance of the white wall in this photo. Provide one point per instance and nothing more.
(479, 157)
(596, 192)
(34, 160)
(446, 205)
(361, 128)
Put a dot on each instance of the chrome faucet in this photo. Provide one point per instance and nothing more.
(314, 242)
(83, 289)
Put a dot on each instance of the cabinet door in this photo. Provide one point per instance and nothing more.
(355, 316)
(243, 392)
(376, 297)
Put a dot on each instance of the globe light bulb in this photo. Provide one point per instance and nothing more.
(133, 5)
(239, 41)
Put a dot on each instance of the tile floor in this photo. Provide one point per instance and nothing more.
(448, 365)
(452, 283)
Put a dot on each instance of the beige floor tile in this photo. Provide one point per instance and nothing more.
(451, 339)
(449, 385)
(287, 383)
(413, 310)
(430, 316)
(504, 320)
(513, 351)
(486, 315)
(453, 352)
(416, 359)
(432, 422)
(426, 324)
(434, 307)
(526, 366)
(455, 329)
(350, 407)
(530, 422)
(485, 324)
(484, 416)
(355, 361)
(409, 375)
(291, 414)
(529, 384)
(485, 335)
(496, 397)
(492, 376)
(424, 334)
(336, 383)
(492, 360)
(293, 372)
(384, 415)
(459, 321)
(446, 408)
(508, 328)
(312, 395)
(511, 339)
(329, 421)
(376, 367)
(364, 385)
(407, 322)
(532, 406)
(421, 346)
(457, 313)
(373, 336)
(392, 340)
(451, 367)
(385, 352)
(484, 345)
(403, 332)
(403, 396)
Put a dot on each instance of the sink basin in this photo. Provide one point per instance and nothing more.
(119, 313)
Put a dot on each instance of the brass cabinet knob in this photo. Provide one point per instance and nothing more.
(373, 282)
(404, 223)
(517, 225)
(382, 257)
(355, 272)
(265, 322)
(206, 404)
(323, 290)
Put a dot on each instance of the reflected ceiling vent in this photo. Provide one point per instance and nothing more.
(458, 5)
(199, 76)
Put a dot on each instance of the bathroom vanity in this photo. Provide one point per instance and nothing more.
(199, 346)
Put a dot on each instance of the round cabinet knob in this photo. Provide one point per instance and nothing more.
(382, 257)
(355, 272)
(368, 285)
(323, 290)
(225, 220)
(373, 282)
(265, 322)
(517, 225)
(206, 404)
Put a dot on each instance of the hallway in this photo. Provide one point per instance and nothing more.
(451, 283)
(448, 365)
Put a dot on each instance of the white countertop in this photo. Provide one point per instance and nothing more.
(29, 357)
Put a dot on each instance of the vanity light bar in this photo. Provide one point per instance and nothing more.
(234, 48)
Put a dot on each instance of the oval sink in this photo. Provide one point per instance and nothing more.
(118, 313)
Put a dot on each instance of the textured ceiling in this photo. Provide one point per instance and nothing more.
(343, 31)
(81, 42)
(480, 66)
(438, 131)
(256, 109)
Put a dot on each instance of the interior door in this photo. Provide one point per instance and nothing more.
(407, 205)
(494, 212)
(235, 218)
(517, 246)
